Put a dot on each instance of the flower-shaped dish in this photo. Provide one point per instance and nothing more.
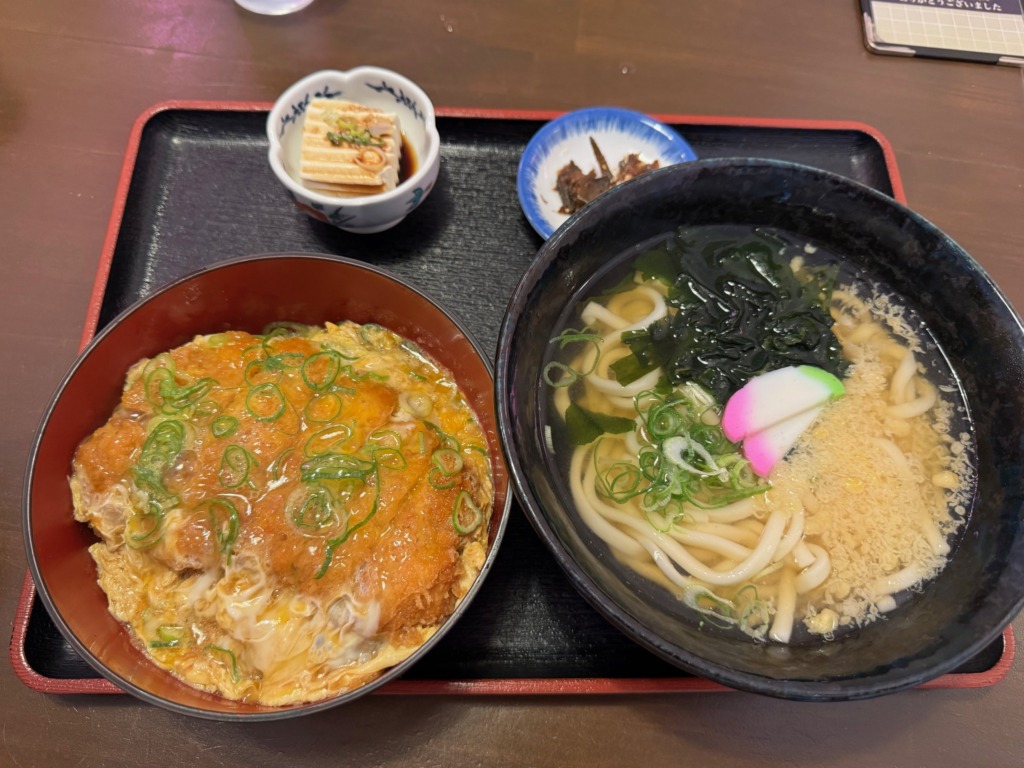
(372, 87)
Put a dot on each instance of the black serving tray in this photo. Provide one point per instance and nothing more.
(197, 189)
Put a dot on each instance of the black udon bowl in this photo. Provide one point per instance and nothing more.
(982, 588)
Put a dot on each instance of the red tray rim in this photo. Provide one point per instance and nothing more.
(481, 687)
(492, 686)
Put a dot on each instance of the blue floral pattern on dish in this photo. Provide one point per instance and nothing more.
(337, 216)
(299, 107)
(617, 132)
(400, 97)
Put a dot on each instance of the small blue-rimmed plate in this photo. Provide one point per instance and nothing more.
(617, 132)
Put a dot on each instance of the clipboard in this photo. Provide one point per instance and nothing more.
(986, 31)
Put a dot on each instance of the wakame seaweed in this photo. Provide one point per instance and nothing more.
(741, 311)
(585, 426)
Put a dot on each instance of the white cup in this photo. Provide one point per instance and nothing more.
(273, 7)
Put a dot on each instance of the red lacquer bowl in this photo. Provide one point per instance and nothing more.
(244, 294)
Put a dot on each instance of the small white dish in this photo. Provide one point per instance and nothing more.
(617, 132)
(372, 87)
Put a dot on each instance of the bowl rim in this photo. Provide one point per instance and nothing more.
(288, 711)
(540, 143)
(427, 162)
(588, 587)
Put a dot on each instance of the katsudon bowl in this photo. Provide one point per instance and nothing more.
(242, 295)
(976, 338)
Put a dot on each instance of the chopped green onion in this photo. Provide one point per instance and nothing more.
(206, 409)
(366, 328)
(388, 457)
(231, 656)
(323, 408)
(170, 632)
(663, 422)
(274, 468)
(328, 440)
(568, 375)
(312, 512)
(286, 328)
(466, 515)
(163, 444)
(225, 523)
(333, 544)
(235, 464)
(350, 372)
(440, 481)
(262, 370)
(321, 369)
(143, 538)
(389, 436)
(266, 402)
(279, 360)
(163, 360)
(256, 372)
(181, 398)
(224, 426)
(705, 601)
(447, 441)
(447, 461)
(338, 466)
(164, 393)
(155, 383)
(168, 636)
(446, 465)
(353, 134)
(622, 481)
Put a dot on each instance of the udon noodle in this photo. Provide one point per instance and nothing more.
(862, 508)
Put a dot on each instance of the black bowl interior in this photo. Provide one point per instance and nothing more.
(982, 587)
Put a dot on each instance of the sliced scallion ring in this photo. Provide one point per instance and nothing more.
(311, 510)
(389, 458)
(224, 426)
(225, 523)
(466, 515)
(323, 407)
(319, 370)
(235, 464)
(168, 636)
(266, 402)
(447, 461)
(275, 467)
(327, 440)
(231, 657)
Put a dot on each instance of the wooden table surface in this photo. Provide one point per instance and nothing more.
(75, 75)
